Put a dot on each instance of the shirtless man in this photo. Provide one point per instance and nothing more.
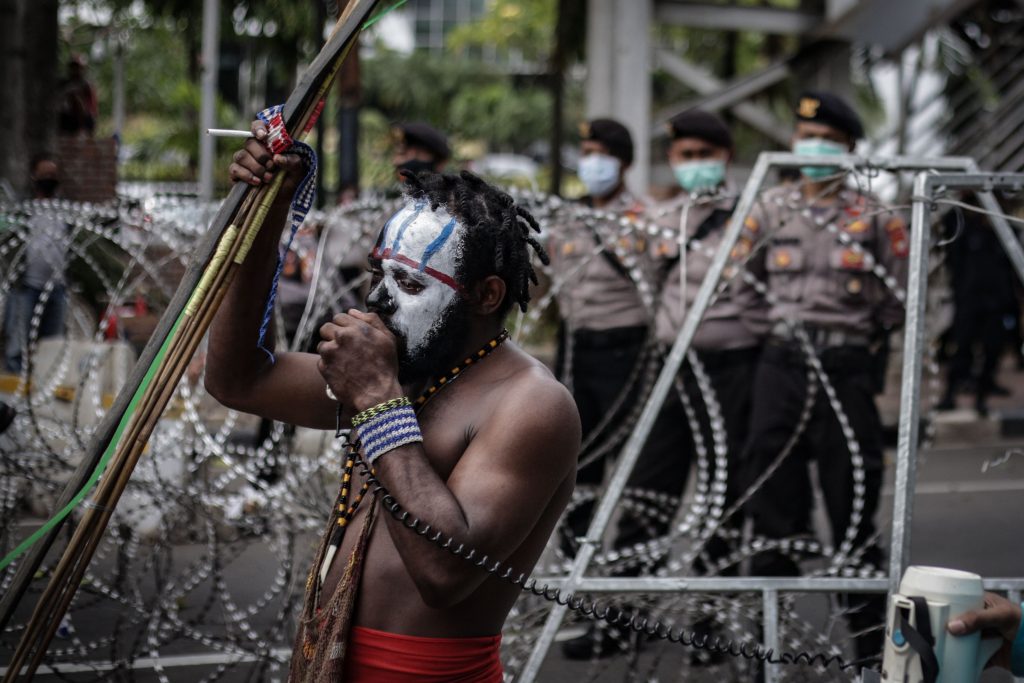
(496, 463)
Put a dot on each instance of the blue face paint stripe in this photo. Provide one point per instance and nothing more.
(438, 242)
(405, 224)
(383, 233)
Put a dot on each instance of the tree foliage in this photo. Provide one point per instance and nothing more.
(522, 27)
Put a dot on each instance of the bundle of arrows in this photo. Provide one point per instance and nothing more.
(121, 438)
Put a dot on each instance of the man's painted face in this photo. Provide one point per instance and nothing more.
(415, 290)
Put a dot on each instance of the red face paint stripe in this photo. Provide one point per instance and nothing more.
(402, 258)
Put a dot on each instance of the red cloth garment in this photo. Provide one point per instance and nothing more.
(379, 657)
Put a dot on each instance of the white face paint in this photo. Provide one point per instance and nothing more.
(419, 250)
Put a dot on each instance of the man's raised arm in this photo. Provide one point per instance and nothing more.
(238, 373)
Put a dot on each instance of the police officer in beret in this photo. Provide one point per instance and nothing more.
(830, 255)
(728, 339)
(419, 147)
(605, 330)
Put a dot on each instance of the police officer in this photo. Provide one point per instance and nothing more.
(604, 319)
(605, 332)
(728, 339)
(983, 284)
(419, 147)
(822, 241)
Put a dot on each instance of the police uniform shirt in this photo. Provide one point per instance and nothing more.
(813, 276)
(735, 319)
(596, 292)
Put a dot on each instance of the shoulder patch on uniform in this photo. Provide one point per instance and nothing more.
(742, 249)
(633, 213)
(899, 242)
(852, 258)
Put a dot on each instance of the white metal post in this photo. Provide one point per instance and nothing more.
(208, 104)
(119, 103)
(632, 84)
(600, 55)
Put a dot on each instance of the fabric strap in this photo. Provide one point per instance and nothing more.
(280, 142)
(920, 639)
(716, 219)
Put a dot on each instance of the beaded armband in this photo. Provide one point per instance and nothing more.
(387, 431)
(380, 408)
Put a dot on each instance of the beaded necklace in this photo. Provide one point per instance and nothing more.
(343, 511)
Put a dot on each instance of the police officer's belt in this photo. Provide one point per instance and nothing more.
(821, 338)
(605, 339)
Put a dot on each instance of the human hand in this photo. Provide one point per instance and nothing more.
(999, 617)
(359, 360)
(255, 164)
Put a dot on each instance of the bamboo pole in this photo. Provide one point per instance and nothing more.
(184, 327)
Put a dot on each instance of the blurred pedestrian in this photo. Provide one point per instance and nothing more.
(417, 147)
(983, 284)
(78, 109)
(823, 243)
(43, 278)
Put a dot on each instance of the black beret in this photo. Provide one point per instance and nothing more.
(612, 135)
(418, 134)
(701, 125)
(832, 110)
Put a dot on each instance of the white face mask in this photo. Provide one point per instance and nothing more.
(419, 250)
(600, 173)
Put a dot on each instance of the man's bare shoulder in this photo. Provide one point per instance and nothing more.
(531, 396)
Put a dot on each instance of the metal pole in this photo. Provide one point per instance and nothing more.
(910, 389)
(119, 105)
(207, 107)
(770, 601)
(600, 49)
(631, 69)
(718, 584)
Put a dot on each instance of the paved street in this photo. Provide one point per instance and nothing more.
(970, 491)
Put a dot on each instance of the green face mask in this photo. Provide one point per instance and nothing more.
(818, 147)
(700, 176)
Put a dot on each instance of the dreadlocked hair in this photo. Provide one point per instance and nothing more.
(499, 233)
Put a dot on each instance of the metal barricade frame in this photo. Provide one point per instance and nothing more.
(947, 172)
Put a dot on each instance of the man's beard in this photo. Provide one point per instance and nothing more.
(439, 351)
